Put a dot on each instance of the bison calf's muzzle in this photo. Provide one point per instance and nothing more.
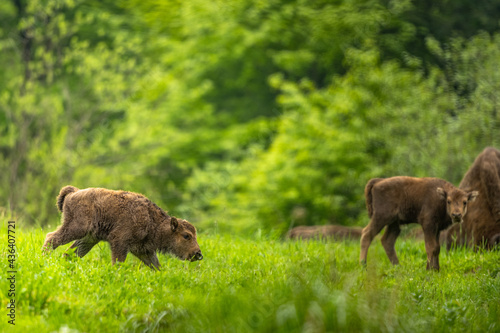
(197, 256)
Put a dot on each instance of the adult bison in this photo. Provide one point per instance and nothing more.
(433, 203)
(481, 226)
(130, 222)
(334, 232)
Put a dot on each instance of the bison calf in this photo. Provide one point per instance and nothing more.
(130, 222)
(431, 202)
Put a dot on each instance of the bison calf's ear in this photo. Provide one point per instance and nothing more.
(174, 223)
(473, 195)
(441, 192)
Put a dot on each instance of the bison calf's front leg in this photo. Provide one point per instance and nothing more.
(432, 248)
(149, 259)
(118, 252)
(83, 246)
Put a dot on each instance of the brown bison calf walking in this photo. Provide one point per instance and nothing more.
(130, 222)
(431, 202)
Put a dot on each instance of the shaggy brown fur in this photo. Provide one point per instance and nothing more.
(433, 203)
(481, 226)
(130, 222)
(333, 232)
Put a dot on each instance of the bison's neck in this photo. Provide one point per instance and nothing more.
(445, 223)
(164, 238)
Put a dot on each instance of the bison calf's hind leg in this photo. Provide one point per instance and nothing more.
(72, 229)
(47, 244)
(388, 241)
(59, 237)
(367, 235)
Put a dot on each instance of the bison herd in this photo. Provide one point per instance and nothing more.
(465, 216)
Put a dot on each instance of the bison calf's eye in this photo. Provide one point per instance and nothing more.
(186, 236)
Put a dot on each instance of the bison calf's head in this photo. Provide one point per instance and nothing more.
(456, 202)
(184, 244)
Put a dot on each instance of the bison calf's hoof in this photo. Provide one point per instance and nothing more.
(432, 268)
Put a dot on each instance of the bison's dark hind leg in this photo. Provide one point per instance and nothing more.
(70, 230)
(150, 260)
(369, 232)
(389, 239)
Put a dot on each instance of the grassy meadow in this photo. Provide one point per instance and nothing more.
(244, 116)
(252, 284)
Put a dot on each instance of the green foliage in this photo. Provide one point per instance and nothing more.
(247, 285)
(300, 179)
(241, 115)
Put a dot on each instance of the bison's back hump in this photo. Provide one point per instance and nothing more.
(110, 206)
(405, 197)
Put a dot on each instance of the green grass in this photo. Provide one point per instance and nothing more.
(254, 285)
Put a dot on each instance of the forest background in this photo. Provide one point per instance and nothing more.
(245, 116)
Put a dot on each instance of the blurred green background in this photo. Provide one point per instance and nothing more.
(242, 115)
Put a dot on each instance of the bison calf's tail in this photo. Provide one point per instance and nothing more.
(368, 194)
(64, 192)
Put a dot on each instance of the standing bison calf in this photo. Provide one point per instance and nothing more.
(431, 202)
(130, 222)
